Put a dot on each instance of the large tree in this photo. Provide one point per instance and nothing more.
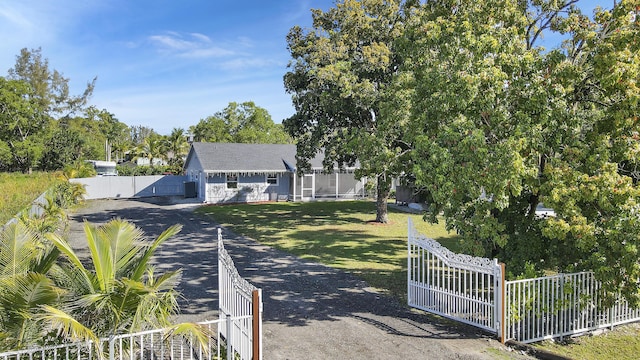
(22, 126)
(503, 125)
(341, 76)
(50, 88)
(32, 99)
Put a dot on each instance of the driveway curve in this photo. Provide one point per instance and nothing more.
(311, 311)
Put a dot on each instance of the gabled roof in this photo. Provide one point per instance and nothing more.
(234, 157)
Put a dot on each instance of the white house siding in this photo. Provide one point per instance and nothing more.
(194, 174)
(251, 188)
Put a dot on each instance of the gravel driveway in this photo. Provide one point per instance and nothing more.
(310, 311)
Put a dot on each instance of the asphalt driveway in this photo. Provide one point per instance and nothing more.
(311, 311)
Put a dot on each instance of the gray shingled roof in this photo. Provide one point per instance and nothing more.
(247, 157)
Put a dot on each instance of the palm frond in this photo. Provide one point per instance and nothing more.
(198, 335)
(48, 259)
(20, 300)
(123, 238)
(144, 260)
(18, 249)
(66, 325)
(66, 249)
(167, 281)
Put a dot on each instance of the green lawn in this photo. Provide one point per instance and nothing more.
(339, 234)
(622, 343)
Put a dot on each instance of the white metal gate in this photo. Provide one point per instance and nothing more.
(457, 286)
(238, 299)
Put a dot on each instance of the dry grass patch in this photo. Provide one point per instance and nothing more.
(19, 190)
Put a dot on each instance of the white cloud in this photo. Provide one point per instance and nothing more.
(14, 17)
(243, 63)
(193, 45)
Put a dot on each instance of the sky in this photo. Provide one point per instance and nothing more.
(165, 64)
(162, 63)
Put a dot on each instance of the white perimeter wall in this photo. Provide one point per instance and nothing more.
(105, 187)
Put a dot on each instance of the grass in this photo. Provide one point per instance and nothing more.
(19, 190)
(339, 234)
(621, 343)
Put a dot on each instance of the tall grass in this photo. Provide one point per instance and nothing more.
(17, 191)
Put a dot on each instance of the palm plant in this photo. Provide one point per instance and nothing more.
(25, 286)
(153, 147)
(78, 169)
(120, 292)
(177, 146)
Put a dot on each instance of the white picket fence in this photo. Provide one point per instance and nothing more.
(473, 291)
(237, 334)
(153, 344)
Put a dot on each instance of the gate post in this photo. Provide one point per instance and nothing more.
(502, 304)
(256, 304)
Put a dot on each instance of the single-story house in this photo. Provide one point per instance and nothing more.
(231, 172)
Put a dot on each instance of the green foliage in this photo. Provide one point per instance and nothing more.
(118, 291)
(22, 125)
(64, 146)
(78, 169)
(143, 170)
(177, 147)
(240, 123)
(24, 287)
(500, 126)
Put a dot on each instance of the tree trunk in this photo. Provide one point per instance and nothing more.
(383, 190)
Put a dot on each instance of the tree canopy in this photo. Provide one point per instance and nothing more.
(503, 125)
(463, 97)
(340, 78)
(240, 123)
(33, 98)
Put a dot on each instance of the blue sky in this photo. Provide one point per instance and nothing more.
(162, 63)
(165, 63)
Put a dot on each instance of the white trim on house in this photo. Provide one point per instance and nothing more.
(273, 176)
(229, 182)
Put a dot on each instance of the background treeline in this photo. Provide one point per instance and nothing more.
(44, 127)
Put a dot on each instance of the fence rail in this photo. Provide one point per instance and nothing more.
(560, 305)
(155, 344)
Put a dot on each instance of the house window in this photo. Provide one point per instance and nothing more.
(272, 179)
(232, 181)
